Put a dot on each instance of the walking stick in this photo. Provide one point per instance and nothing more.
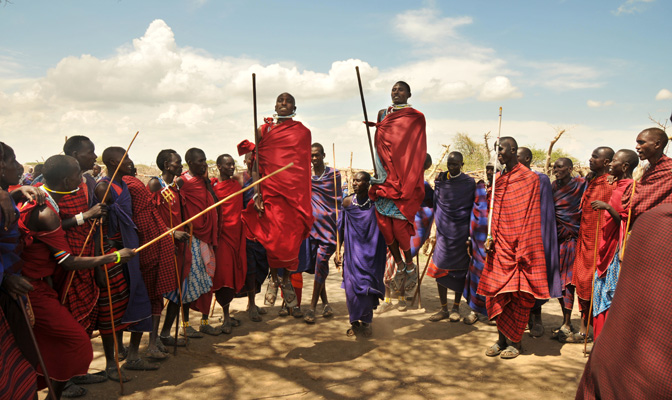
(494, 180)
(114, 332)
(257, 190)
(168, 196)
(338, 239)
(97, 221)
(52, 394)
(590, 308)
(417, 290)
(350, 177)
(366, 121)
(627, 225)
(224, 200)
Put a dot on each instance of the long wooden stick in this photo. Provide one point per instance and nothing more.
(256, 133)
(95, 222)
(494, 179)
(429, 257)
(627, 225)
(179, 283)
(114, 332)
(350, 175)
(224, 200)
(366, 120)
(22, 304)
(338, 239)
(590, 308)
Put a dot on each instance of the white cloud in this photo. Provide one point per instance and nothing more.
(565, 76)
(631, 7)
(664, 94)
(426, 26)
(598, 104)
(498, 88)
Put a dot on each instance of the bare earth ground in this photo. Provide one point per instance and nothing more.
(407, 357)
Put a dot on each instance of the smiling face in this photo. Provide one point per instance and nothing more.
(400, 93)
(360, 184)
(226, 167)
(285, 105)
(317, 158)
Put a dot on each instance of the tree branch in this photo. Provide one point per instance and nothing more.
(547, 169)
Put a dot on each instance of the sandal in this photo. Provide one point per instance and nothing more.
(537, 330)
(296, 312)
(113, 375)
(397, 281)
(289, 295)
(226, 328)
(208, 329)
(191, 333)
(162, 348)
(271, 292)
(235, 322)
(140, 365)
(401, 305)
(439, 316)
(284, 311)
(411, 278)
(575, 337)
(155, 354)
(454, 315)
(170, 341)
(309, 317)
(384, 307)
(72, 390)
(262, 311)
(354, 329)
(471, 319)
(494, 350)
(253, 314)
(123, 352)
(327, 311)
(366, 329)
(89, 379)
(510, 353)
(561, 331)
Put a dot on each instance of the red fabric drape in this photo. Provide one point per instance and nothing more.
(196, 198)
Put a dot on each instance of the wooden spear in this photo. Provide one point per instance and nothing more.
(52, 394)
(338, 239)
(366, 121)
(494, 179)
(224, 200)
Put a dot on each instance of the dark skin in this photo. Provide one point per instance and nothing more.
(650, 147)
(360, 188)
(96, 170)
(489, 173)
(563, 174)
(619, 168)
(86, 157)
(10, 168)
(319, 289)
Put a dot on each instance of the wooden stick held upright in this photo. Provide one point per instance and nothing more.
(494, 180)
(417, 290)
(22, 305)
(95, 222)
(338, 239)
(627, 225)
(179, 285)
(257, 189)
(592, 288)
(114, 332)
(224, 200)
(366, 121)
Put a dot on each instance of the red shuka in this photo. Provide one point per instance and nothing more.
(231, 258)
(653, 189)
(401, 144)
(612, 232)
(585, 261)
(196, 198)
(288, 215)
(171, 214)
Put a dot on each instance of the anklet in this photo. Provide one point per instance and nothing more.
(204, 322)
(388, 300)
(185, 324)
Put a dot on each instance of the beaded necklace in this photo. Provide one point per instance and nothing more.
(354, 201)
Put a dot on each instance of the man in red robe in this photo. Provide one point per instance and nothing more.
(231, 271)
(281, 216)
(514, 276)
(655, 187)
(63, 342)
(399, 187)
(197, 194)
(599, 189)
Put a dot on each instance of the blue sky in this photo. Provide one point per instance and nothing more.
(179, 71)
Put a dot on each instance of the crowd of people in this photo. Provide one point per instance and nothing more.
(72, 261)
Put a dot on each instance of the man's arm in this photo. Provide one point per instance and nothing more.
(99, 210)
(154, 185)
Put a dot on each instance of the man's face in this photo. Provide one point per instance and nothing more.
(399, 94)
(360, 185)
(523, 158)
(86, 155)
(598, 161)
(199, 165)
(505, 152)
(284, 105)
(248, 161)
(561, 170)
(617, 165)
(227, 167)
(317, 157)
(96, 170)
(647, 145)
(72, 182)
(174, 164)
(489, 172)
(454, 165)
(12, 171)
(127, 167)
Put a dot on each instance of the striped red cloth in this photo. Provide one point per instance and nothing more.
(120, 296)
(17, 376)
(515, 273)
(157, 263)
(584, 263)
(632, 359)
(654, 188)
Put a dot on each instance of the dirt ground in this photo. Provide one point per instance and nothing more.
(407, 358)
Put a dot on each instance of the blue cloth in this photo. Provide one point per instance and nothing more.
(9, 243)
(605, 287)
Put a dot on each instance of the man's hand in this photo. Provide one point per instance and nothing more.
(99, 210)
(30, 193)
(16, 285)
(181, 236)
(470, 250)
(599, 205)
(8, 213)
(259, 204)
(126, 255)
(369, 123)
(489, 246)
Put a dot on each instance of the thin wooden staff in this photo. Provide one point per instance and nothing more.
(417, 290)
(256, 133)
(494, 179)
(350, 173)
(179, 279)
(114, 332)
(366, 120)
(338, 238)
(95, 222)
(224, 200)
(590, 308)
(22, 304)
(627, 225)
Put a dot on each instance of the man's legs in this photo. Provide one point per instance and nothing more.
(224, 297)
(454, 313)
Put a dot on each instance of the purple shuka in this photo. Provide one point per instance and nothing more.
(363, 260)
(324, 205)
(478, 230)
(453, 203)
(548, 236)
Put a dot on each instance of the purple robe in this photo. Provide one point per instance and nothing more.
(549, 237)
(453, 203)
(478, 229)
(120, 219)
(363, 260)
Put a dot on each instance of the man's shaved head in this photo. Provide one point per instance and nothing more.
(608, 152)
(658, 134)
(318, 146)
(59, 167)
(510, 141)
(630, 157)
(457, 156)
(74, 143)
(566, 162)
(428, 162)
(112, 153)
(192, 153)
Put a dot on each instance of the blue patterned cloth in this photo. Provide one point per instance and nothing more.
(198, 281)
(605, 287)
(388, 208)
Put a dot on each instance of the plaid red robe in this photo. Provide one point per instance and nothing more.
(654, 188)
(156, 261)
(632, 359)
(82, 297)
(584, 264)
(515, 274)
